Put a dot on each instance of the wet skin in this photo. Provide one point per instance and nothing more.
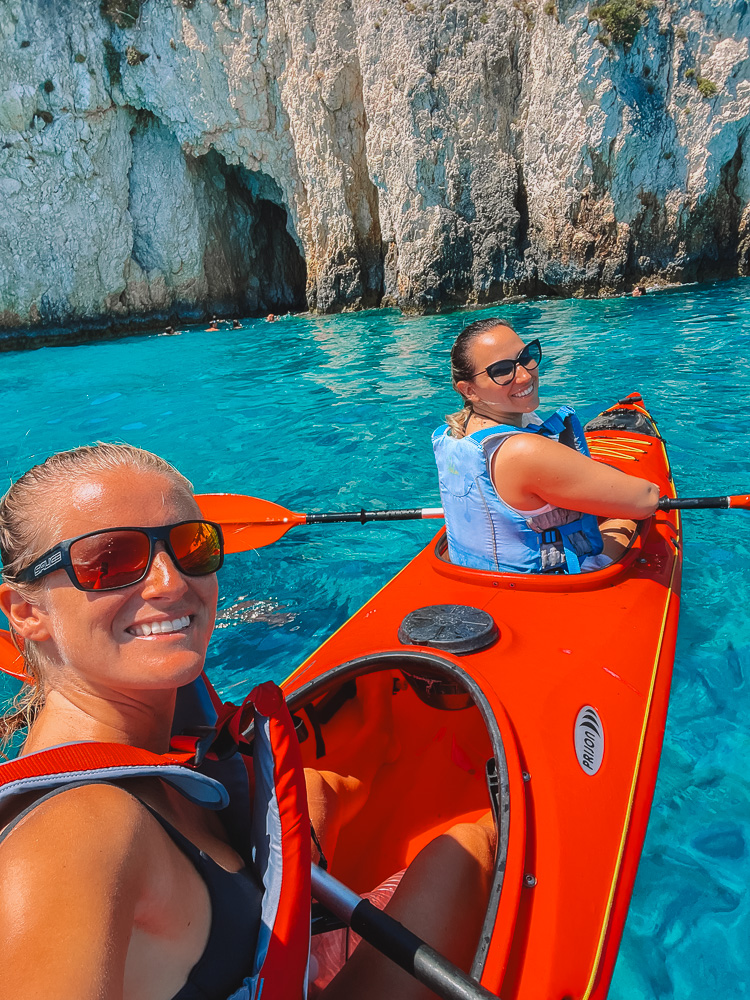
(93, 661)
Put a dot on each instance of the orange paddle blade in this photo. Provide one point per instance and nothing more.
(11, 661)
(247, 522)
(740, 502)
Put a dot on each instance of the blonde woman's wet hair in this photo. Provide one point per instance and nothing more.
(23, 518)
(462, 368)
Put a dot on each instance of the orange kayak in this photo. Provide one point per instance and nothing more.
(543, 697)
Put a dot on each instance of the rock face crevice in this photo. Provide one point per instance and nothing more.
(165, 157)
(206, 232)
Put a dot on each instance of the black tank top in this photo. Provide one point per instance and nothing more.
(235, 915)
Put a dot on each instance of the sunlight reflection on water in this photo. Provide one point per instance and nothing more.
(335, 413)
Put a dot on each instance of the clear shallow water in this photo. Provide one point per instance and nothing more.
(335, 413)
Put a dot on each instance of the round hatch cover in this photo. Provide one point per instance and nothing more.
(454, 628)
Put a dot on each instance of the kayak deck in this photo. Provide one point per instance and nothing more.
(570, 833)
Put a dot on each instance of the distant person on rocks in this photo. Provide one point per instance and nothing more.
(639, 290)
(213, 326)
(521, 495)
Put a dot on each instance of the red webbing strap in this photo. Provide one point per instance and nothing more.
(285, 964)
(85, 757)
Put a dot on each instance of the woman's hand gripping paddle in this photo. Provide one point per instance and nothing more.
(251, 523)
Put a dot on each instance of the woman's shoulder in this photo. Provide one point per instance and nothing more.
(65, 825)
(79, 872)
(535, 451)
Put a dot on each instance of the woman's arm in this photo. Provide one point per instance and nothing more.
(530, 470)
(85, 876)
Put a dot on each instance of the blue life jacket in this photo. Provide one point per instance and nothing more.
(483, 531)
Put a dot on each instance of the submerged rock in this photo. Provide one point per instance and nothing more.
(167, 158)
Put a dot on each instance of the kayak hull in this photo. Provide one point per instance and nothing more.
(568, 698)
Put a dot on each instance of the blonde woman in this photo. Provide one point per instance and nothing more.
(123, 874)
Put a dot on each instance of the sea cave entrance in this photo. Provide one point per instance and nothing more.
(252, 262)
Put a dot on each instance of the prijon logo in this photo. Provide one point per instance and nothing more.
(589, 739)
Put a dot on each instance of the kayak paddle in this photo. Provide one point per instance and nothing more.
(251, 523)
(11, 661)
(394, 941)
(705, 503)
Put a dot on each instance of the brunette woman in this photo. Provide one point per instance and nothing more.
(522, 495)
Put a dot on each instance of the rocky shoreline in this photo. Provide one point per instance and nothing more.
(168, 158)
(105, 328)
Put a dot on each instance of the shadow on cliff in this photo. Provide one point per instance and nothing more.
(207, 236)
(251, 261)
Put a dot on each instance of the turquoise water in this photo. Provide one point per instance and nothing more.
(335, 413)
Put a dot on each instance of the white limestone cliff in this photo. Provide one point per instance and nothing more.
(172, 157)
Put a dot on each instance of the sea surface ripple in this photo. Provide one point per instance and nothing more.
(335, 413)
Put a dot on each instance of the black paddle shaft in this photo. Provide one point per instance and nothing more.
(391, 938)
(414, 955)
(412, 514)
(693, 503)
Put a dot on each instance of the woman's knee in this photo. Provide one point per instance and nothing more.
(477, 840)
(617, 534)
(462, 856)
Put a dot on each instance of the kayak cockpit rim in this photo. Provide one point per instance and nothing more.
(404, 659)
(541, 581)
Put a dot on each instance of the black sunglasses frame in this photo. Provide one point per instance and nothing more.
(515, 362)
(58, 557)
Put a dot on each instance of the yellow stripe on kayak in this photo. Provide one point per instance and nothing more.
(626, 827)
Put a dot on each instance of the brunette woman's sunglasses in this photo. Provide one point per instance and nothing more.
(503, 372)
(118, 557)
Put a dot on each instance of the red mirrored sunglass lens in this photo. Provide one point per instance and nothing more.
(197, 547)
(111, 559)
